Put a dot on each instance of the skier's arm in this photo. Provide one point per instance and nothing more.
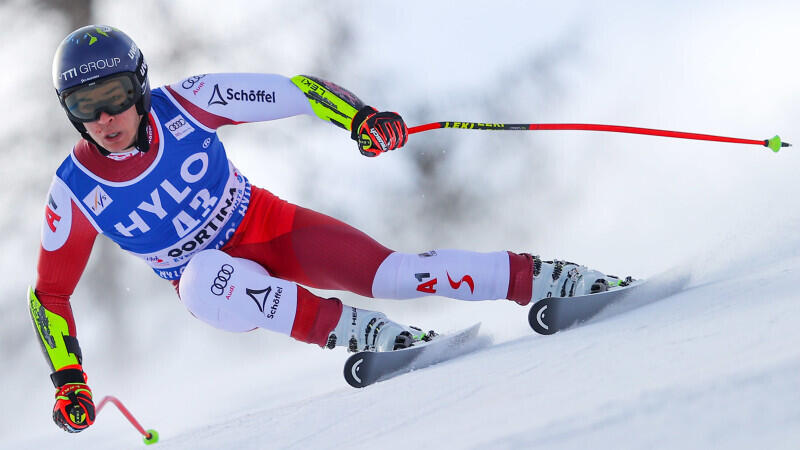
(374, 132)
(329, 101)
(221, 99)
(218, 99)
(67, 240)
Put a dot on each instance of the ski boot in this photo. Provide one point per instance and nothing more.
(363, 330)
(567, 279)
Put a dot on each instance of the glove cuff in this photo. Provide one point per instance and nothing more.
(66, 376)
(360, 116)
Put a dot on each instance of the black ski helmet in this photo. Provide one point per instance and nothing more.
(92, 54)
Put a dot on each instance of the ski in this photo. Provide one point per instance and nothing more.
(551, 315)
(365, 368)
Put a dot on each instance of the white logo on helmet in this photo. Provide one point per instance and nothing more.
(133, 52)
(90, 67)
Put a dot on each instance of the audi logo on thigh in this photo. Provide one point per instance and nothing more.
(221, 280)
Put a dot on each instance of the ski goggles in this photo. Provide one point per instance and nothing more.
(113, 95)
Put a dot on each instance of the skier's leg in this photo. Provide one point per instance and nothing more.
(316, 250)
(236, 294)
(481, 276)
(306, 247)
(459, 274)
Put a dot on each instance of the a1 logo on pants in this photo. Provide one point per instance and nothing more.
(428, 287)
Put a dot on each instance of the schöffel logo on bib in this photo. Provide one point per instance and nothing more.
(97, 200)
(179, 127)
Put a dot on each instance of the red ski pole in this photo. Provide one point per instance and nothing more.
(774, 144)
(150, 436)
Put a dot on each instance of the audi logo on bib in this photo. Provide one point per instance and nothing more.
(221, 280)
(176, 124)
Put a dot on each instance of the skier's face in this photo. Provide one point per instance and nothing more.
(115, 133)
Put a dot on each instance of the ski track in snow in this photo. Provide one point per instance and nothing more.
(714, 364)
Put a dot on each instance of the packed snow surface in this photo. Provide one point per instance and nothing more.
(714, 364)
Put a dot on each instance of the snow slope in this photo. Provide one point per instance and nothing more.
(711, 366)
(714, 365)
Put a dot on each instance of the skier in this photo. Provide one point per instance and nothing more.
(151, 174)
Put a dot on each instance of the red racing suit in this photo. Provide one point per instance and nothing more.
(167, 221)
